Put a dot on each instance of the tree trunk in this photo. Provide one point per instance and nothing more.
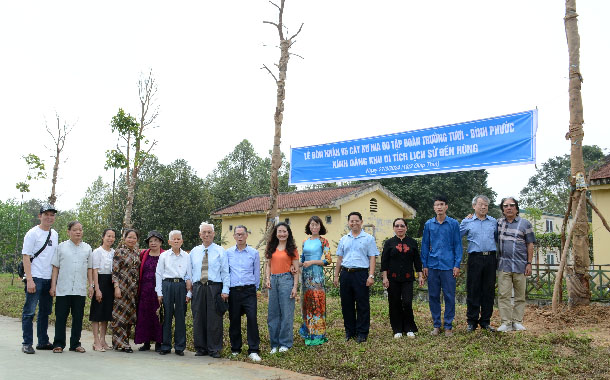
(577, 274)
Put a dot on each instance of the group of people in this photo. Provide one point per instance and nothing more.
(151, 289)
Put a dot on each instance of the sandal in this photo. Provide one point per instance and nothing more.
(58, 350)
(106, 347)
(78, 349)
(98, 348)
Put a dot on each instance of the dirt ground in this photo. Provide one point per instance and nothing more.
(592, 320)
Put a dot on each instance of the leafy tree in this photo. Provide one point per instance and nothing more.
(136, 149)
(241, 174)
(11, 212)
(94, 211)
(458, 187)
(172, 197)
(549, 189)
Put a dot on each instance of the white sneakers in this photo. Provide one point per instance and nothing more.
(398, 335)
(411, 334)
(254, 357)
(515, 326)
(518, 326)
(275, 350)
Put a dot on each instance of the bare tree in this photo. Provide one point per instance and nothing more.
(577, 274)
(280, 80)
(132, 156)
(59, 139)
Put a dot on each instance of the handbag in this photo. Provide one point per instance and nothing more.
(21, 269)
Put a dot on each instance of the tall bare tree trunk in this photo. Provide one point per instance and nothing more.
(147, 89)
(59, 142)
(276, 156)
(577, 274)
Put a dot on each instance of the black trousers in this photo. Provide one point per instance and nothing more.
(480, 288)
(355, 303)
(65, 305)
(400, 302)
(242, 300)
(174, 305)
(207, 323)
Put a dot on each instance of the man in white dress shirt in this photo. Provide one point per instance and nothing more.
(173, 280)
(211, 280)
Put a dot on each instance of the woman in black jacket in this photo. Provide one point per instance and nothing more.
(399, 260)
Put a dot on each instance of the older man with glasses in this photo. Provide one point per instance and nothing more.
(516, 248)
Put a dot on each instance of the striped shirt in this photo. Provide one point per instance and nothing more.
(513, 239)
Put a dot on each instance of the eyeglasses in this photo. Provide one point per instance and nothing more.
(400, 225)
(507, 205)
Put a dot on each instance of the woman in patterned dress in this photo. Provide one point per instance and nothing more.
(125, 272)
(316, 254)
(148, 327)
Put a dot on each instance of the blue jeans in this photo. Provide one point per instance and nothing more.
(437, 280)
(43, 299)
(280, 316)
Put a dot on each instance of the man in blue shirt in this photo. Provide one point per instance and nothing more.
(441, 255)
(480, 230)
(355, 271)
(244, 271)
(210, 268)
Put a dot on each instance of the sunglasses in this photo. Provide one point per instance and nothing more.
(507, 205)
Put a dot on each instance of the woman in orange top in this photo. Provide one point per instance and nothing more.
(281, 253)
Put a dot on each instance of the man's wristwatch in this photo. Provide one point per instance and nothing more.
(371, 276)
(528, 263)
(92, 286)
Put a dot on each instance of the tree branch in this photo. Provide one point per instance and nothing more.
(273, 75)
(297, 33)
(295, 54)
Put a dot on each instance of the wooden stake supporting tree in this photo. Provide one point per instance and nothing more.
(280, 80)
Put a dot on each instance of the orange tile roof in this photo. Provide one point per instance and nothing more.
(296, 199)
(601, 172)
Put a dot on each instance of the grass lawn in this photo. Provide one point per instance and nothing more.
(572, 344)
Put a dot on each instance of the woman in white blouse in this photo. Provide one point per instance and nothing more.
(101, 306)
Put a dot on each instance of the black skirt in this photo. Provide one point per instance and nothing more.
(102, 311)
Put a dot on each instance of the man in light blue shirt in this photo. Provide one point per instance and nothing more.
(244, 270)
(210, 268)
(173, 281)
(480, 230)
(355, 271)
(441, 256)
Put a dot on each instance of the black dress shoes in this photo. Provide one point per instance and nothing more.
(201, 353)
(180, 352)
(47, 346)
(164, 352)
(471, 328)
(145, 347)
(488, 328)
(361, 339)
(215, 355)
(157, 347)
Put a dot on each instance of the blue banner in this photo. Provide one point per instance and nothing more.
(498, 141)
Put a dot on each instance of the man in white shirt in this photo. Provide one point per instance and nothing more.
(210, 269)
(173, 280)
(38, 280)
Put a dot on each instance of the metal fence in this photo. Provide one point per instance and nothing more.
(539, 285)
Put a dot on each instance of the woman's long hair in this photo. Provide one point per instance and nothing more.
(273, 242)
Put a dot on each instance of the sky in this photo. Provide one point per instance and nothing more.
(368, 69)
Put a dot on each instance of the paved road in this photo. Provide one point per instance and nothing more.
(117, 366)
